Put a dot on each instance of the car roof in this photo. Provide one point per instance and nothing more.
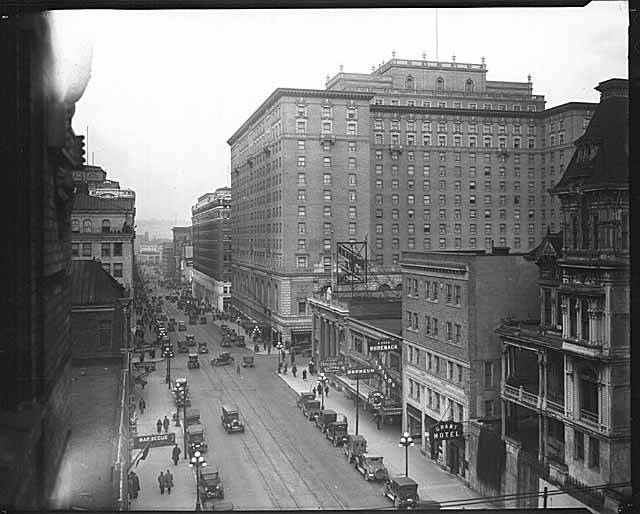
(329, 411)
(355, 437)
(404, 481)
(195, 428)
(230, 407)
(193, 355)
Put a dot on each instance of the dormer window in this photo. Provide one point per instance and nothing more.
(439, 84)
(468, 86)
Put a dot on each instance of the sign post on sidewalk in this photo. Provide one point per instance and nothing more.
(359, 373)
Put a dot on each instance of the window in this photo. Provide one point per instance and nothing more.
(117, 269)
(106, 226)
(302, 244)
(326, 210)
(488, 408)
(302, 229)
(468, 86)
(104, 333)
(488, 374)
(301, 145)
(301, 261)
(302, 210)
(87, 226)
(439, 84)
(107, 267)
(301, 127)
(351, 129)
(75, 225)
(301, 160)
(378, 155)
(326, 162)
(302, 195)
(75, 249)
(351, 163)
(106, 250)
(352, 179)
(352, 229)
(594, 453)
(352, 212)
(578, 440)
(86, 249)
(302, 178)
(458, 337)
(326, 178)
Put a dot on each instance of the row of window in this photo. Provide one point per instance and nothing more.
(472, 141)
(326, 145)
(451, 291)
(117, 268)
(453, 331)
(443, 228)
(455, 105)
(106, 249)
(473, 171)
(327, 111)
(442, 213)
(301, 128)
(457, 200)
(444, 243)
(87, 225)
(437, 401)
(327, 179)
(327, 211)
(457, 185)
(442, 155)
(327, 195)
(442, 126)
(327, 162)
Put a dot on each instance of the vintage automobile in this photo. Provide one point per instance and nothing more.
(203, 320)
(182, 326)
(171, 325)
(304, 396)
(195, 439)
(190, 339)
(311, 409)
(224, 327)
(247, 361)
(192, 417)
(202, 347)
(223, 359)
(182, 347)
(324, 418)
(403, 491)
(240, 341)
(231, 419)
(210, 484)
(226, 342)
(371, 466)
(354, 446)
(193, 361)
(337, 432)
(193, 319)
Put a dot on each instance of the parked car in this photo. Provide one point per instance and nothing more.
(182, 326)
(337, 432)
(193, 361)
(203, 320)
(192, 417)
(247, 361)
(193, 319)
(223, 359)
(202, 347)
(371, 466)
(231, 419)
(354, 446)
(302, 397)
(226, 342)
(324, 418)
(195, 439)
(403, 491)
(210, 483)
(190, 339)
(311, 409)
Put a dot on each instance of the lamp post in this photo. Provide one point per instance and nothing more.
(181, 397)
(322, 381)
(278, 346)
(238, 320)
(197, 461)
(167, 353)
(406, 440)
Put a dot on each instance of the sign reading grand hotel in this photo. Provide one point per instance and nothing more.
(445, 430)
(154, 440)
(384, 345)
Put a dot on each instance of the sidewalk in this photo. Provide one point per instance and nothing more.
(434, 482)
(160, 403)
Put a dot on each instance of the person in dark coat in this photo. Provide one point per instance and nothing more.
(294, 370)
(168, 481)
(130, 486)
(293, 357)
(326, 391)
(285, 368)
(319, 390)
(142, 405)
(175, 454)
(136, 484)
(159, 425)
(165, 424)
(304, 374)
(161, 482)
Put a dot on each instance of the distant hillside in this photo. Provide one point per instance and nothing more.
(159, 228)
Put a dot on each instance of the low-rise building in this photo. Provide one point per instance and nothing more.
(452, 302)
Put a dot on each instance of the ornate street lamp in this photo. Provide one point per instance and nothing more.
(197, 461)
(406, 440)
(279, 346)
(167, 353)
(181, 398)
(322, 381)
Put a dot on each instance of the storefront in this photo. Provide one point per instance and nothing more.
(432, 448)
(414, 421)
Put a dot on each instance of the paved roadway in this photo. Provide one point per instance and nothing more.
(281, 461)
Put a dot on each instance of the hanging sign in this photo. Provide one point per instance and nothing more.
(154, 440)
(384, 345)
(360, 373)
(445, 430)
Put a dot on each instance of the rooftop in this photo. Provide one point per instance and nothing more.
(92, 285)
(85, 202)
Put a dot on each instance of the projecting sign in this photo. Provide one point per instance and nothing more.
(332, 364)
(384, 345)
(446, 430)
(360, 372)
(154, 440)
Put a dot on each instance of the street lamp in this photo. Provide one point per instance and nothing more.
(406, 440)
(238, 320)
(322, 381)
(279, 346)
(167, 353)
(197, 461)
(181, 398)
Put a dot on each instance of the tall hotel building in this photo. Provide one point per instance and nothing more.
(417, 155)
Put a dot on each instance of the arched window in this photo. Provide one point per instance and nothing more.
(439, 84)
(75, 225)
(468, 86)
(87, 226)
(409, 84)
(384, 287)
(106, 226)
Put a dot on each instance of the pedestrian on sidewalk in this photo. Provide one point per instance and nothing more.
(165, 424)
(269, 350)
(168, 481)
(130, 486)
(159, 425)
(161, 482)
(142, 405)
(238, 369)
(319, 390)
(326, 391)
(279, 368)
(285, 368)
(294, 370)
(304, 375)
(175, 454)
(293, 357)
(136, 484)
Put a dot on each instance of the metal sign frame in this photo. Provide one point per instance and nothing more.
(154, 440)
(351, 263)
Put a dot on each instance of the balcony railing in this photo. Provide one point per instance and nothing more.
(555, 406)
(520, 394)
(589, 417)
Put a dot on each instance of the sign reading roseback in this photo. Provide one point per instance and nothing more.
(384, 345)
(445, 430)
(360, 372)
(154, 440)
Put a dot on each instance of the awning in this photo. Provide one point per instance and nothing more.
(391, 411)
(414, 413)
(300, 330)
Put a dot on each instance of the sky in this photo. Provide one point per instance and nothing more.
(168, 88)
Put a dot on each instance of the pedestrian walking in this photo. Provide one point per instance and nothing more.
(319, 390)
(161, 482)
(294, 370)
(175, 454)
(285, 368)
(130, 486)
(279, 368)
(293, 357)
(168, 481)
(136, 484)
(142, 405)
(269, 350)
(159, 425)
(326, 391)
(238, 369)
(304, 375)
(165, 424)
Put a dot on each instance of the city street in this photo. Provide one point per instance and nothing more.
(281, 461)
